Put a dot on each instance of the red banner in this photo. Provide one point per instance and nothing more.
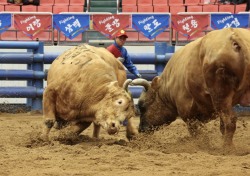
(109, 25)
(31, 25)
(190, 25)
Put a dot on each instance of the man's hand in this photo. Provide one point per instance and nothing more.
(138, 75)
(121, 59)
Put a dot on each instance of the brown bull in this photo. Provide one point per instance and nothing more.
(202, 81)
(87, 84)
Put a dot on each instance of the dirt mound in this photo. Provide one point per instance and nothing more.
(168, 151)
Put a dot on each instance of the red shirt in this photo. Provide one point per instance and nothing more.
(114, 50)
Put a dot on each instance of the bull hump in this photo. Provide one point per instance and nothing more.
(73, 54)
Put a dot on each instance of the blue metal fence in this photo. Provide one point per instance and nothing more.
(35, 58)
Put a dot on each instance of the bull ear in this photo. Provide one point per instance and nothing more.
(235, 42)
(156, 83)
(236, 46)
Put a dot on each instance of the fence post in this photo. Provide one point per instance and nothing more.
(37, 65)
(162, 48)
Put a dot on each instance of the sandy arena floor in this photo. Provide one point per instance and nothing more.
(169, 151)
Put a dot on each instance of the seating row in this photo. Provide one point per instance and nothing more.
(168, 2)
(128, 8)
(46, 36)
(55, 9)
(54, 2)
(182, 8)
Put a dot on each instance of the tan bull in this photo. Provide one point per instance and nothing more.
(87, 84)
(202, 81)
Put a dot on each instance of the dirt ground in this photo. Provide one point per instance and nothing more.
(169, 151)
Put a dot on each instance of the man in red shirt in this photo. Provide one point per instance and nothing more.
(121, 53)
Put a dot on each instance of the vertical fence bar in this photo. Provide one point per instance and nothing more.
(37, 65)
(160, 49)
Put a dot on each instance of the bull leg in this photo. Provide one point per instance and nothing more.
(60, 124)
(48, 112)
(78, 127)
(131, 130)
(96, 131)
(227, 128)
(195, 127)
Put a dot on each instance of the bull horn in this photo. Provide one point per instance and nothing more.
(126, 83)
(141, 82)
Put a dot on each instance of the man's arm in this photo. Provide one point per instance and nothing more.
(129, 64)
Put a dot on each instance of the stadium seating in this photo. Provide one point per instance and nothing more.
(76, 8)
(29, 8)
(61, 2)
(144, 2)
(145, 8)
(46, 2)
(192, 2)
(194, 8)
(175, 2)
(3, 2)
(210, 8)
(181, 37)
(175, 9)
(129, 8)
(12, 8)
(22, 37)
(160, 2)
(240, 8)
(9, 35)
(45, 8)
(161, 8)
(132, 35)
(44, 36)
(163, 37)
(1, 8)
(61, 36)
(129, 2)
(226, 8)
(60, 8)
(77, 2)
(211, 1)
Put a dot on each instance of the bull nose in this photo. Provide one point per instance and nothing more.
(112, 125)
(113, 129)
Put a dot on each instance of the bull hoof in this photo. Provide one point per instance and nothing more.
(229, 149)
(44, 137)
(131, 135)
(49, 123)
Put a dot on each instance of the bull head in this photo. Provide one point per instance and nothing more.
(144, 102)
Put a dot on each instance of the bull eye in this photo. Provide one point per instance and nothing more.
(119, 102)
